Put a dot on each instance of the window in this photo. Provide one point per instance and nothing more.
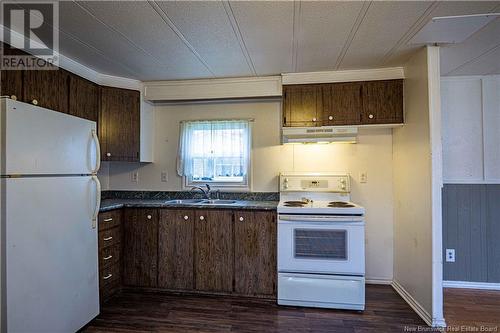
(215, 152)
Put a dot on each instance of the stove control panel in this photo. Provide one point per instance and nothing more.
(314, 182)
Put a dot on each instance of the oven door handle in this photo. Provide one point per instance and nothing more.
(305, 218)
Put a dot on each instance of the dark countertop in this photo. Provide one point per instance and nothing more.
(110, 204)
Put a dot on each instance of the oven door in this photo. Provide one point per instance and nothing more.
(321, 244)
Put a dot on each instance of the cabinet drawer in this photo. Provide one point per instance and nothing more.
(108, 220)
(109, 256)
(109, 275)
(109, 237)
(111, 288)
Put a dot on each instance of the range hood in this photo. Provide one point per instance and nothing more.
(323, 134)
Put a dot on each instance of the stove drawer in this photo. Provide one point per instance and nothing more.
(328, 291)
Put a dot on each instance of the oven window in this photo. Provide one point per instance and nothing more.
(320, 244)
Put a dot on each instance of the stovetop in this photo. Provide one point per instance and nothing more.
(319, 207)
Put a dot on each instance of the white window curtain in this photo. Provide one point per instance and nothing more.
(214, 150)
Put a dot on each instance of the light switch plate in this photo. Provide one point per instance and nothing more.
(164, 176)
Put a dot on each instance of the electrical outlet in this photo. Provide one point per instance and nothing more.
(363, 177)
(450, 255)
(135, 177)
(164, 176)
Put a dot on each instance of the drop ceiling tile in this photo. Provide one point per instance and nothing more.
(207, 28)
(267, 30)
(444, 8)
(164, 54)
(453, 56)
(384, 25)
(324, 28)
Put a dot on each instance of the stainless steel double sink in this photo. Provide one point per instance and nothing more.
(201, 202)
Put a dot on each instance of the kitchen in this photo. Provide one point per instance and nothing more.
(162, 138)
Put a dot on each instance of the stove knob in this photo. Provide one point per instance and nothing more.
(285, 186)
(286, 180)
(342, 186)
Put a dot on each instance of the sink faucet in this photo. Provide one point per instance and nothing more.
(206, 193)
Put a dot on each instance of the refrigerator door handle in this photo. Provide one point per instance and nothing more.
(97, 201)
(97, 151)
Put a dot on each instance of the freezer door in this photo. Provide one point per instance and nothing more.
(41, 141)
(51, 254)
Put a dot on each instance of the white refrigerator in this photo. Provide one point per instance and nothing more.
(50, 198)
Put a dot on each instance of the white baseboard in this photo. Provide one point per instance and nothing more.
(378, 281)
(471, 285)
(413, 303)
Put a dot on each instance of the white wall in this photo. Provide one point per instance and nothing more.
(372, 154)
(471, 129)
(417, 243)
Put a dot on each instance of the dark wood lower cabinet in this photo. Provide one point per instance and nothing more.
(213, 264)
(255, 269)
(140, 247)
(176, 249)
(217, 251)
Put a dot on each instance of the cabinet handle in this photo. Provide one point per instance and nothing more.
(13, 97)
(202, 217)
(35, 102)
(107, 258)
(149, 217)
(107, 276)
(370, 116)
(314, 119)
(186, 217)
(107, 238)
(108, 220)
(241, 218)
(108, 154)
(330, 117)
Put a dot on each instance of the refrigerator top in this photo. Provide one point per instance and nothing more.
(39, 141)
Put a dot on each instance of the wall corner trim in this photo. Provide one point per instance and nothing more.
(344, 76)
(408, 298)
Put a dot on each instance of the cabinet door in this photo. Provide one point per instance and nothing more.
(255, 267)
(12, 84)
(119, 122)
(176, 249)
(140, 247)
(214, 250)
(342, 104)
(302, 105)
(382, 102)
(49, 88)
(83, 98)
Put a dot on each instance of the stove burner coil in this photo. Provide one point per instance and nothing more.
(340, 204)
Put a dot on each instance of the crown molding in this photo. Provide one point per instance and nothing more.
(343, 76)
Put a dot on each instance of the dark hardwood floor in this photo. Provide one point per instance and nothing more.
(133, 311)
(472, 308)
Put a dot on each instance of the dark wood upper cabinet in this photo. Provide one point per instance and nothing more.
(176, 249)
(83, 98)
(213, 264)
(382, 102)
(338, 104)
(12, 84)
(140, 247)
(255, 267)
(342, 104)
(302, 105)
(46, 88)
(119, 124)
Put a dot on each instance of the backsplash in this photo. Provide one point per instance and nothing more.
(165, 195)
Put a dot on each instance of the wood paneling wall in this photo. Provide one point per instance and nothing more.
(471, 226)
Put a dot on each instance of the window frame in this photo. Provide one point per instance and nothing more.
(245, 185)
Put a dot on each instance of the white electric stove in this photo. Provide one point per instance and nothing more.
(321, 242)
